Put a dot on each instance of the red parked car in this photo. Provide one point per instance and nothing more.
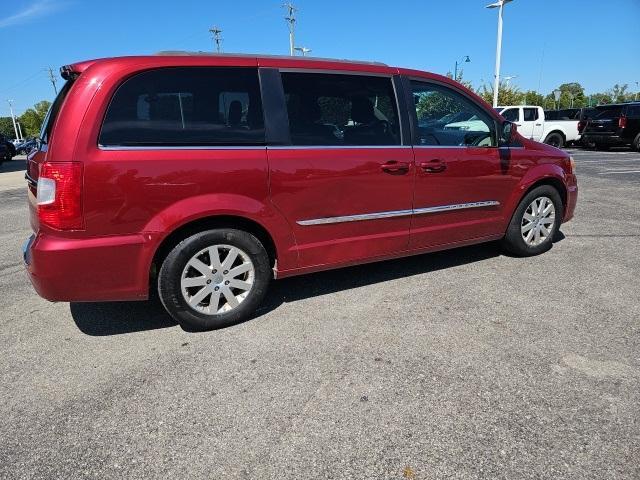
(205, 176)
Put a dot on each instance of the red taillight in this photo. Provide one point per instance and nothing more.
(59, 195)
(581, 125)
(622, 122)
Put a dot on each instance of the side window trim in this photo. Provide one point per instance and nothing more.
(274, 107)
(413, 117)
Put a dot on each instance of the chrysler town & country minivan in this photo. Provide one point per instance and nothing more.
(203, 177)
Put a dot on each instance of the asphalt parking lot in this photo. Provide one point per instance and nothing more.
(459, 364)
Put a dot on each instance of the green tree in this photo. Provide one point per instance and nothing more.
(531, 97)
(6, 127)
(507, 94)
(619, 93)
(31, 120)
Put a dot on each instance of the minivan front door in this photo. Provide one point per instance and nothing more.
(345, 181)
(461, 181)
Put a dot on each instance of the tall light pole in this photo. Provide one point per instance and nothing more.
(291, 20)
(13, 118)
(303, 50)
(496, 81)
(464, 59)
(556, 95)
(215, 32)
(637, 86)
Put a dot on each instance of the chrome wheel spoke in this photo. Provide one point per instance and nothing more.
(544, 231)
(214, 256)
(200, 266)
(230, 297)
(239, 270)
(198, 297)
(527, 227)
(194, 282)
(529, 217)
(239, 284)
(214, 301)
(231, 257)
(547, 221)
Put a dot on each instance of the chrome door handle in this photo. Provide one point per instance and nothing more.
(394, 167)
(433, 166)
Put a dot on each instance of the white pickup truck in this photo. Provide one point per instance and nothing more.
(531, 124)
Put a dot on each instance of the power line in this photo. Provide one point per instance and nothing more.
(215, 32)
(291, 20)
(53, 79)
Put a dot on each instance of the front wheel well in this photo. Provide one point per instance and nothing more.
(553, 182)
(209, 223)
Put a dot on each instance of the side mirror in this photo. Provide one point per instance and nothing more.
(509, 131)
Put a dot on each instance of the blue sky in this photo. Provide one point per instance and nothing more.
(546, 42)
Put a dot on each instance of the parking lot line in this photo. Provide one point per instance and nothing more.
(613, 172)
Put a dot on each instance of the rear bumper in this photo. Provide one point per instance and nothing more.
(613, 140)
(94, 269)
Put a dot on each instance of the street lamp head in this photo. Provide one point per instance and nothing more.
(468, 60)
(499, 3)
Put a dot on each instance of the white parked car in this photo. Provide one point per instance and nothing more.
(531, 124)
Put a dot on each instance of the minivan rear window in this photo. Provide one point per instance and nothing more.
(186, 106)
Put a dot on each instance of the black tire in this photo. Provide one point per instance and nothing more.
(169, 279)
(513, 242)
(555, 139)
(636, 143)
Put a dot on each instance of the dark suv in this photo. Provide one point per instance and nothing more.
(616, 125)
(7, 150)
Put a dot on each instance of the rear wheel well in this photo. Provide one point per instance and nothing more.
(210, 223)
(559, 132)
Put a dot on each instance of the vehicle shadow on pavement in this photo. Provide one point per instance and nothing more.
(322, 283)
(114, 318)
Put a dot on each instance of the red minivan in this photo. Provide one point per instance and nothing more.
(203, 177)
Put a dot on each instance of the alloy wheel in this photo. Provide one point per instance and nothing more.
(217, 279)
(538, 221)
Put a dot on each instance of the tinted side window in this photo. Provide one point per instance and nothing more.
(446, 117)
(530, 114)
(186, 106)
(633, 111)
(335, 109)
(511, 114)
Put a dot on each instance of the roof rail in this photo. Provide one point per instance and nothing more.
(259, 55)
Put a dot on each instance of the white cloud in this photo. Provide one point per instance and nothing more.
(37, 9)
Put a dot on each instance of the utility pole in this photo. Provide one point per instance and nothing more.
(20, 130)
(13, 117)
(291, 20)
(215, 31)
(52, 77)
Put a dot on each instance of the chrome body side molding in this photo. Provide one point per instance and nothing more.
(397, 213)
